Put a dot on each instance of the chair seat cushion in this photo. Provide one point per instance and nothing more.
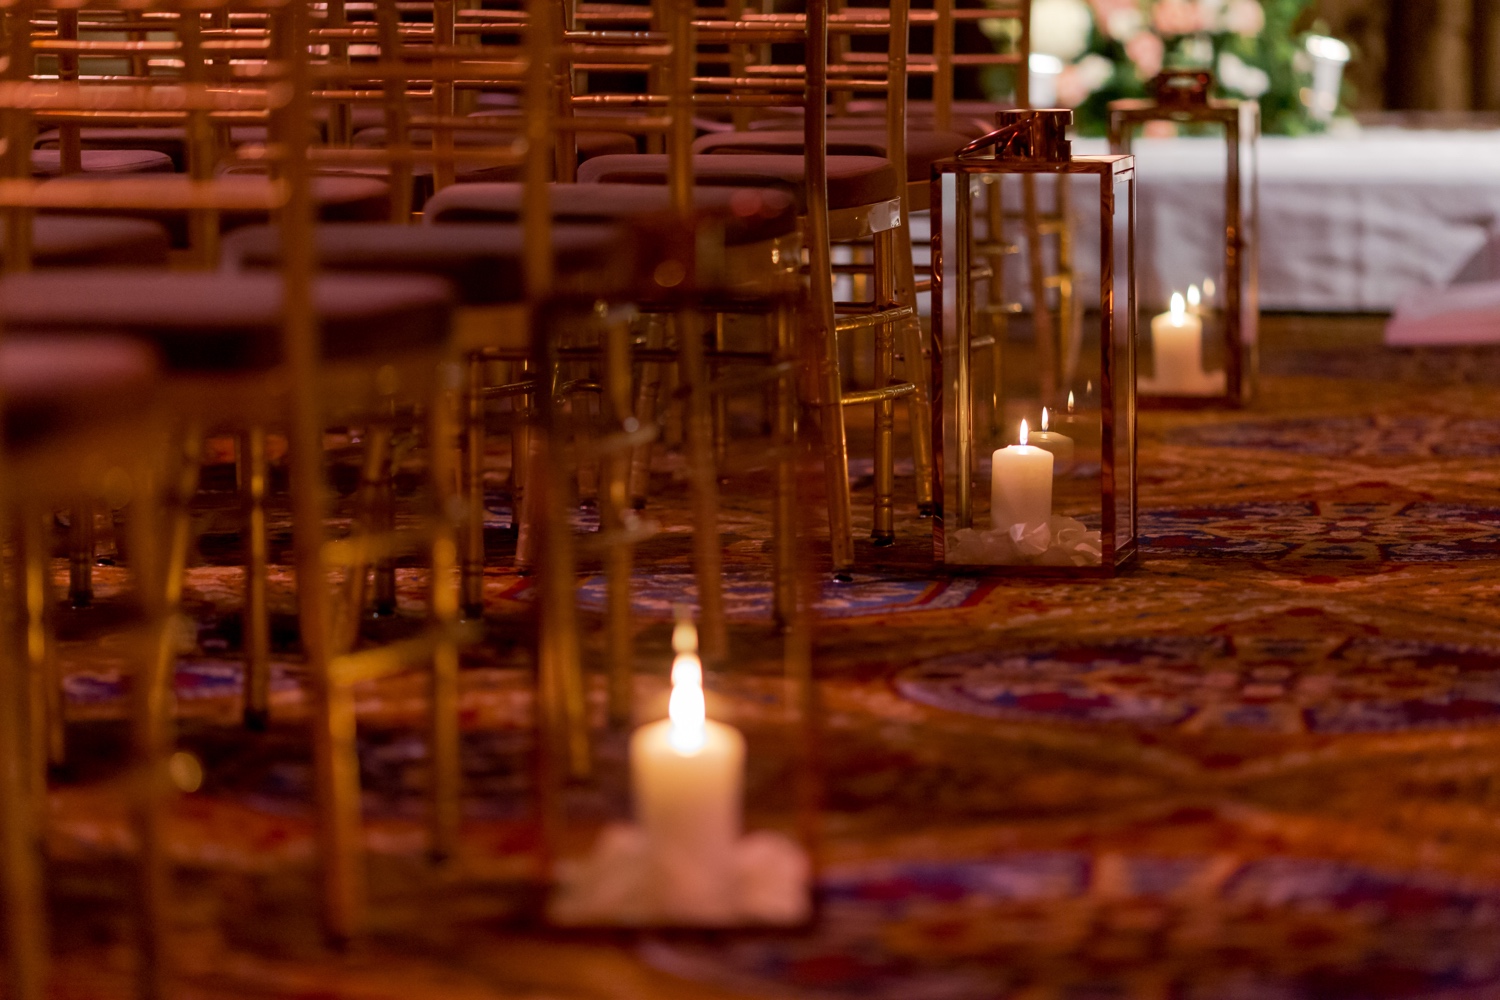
(48, 162)
(970, 118)
(749, 215)
(853, 181)
(55, 384)
(485, 264)
(338, 199)
(590, 144)
(168, 139)
(228, 322)
(924, 147)
(79, 241)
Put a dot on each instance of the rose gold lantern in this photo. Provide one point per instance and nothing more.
(1063, 502)
(1221, 369)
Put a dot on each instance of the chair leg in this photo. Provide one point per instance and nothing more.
(884, 530)
(21, 897)
(918, 371)
(720, 400)
(520, 440)
(561, 689)
(443, 601)
(995, 306)
(535, 406)
(472, 560)
(1070, 322)
(1040, 308)
(48, 733)
(615, 517)
(256, 621)
(160, 550)
(784, 441)
(647, 396)
(713, 633)
(372, 519)
(824, 386)
(384, 603)
(81, 555)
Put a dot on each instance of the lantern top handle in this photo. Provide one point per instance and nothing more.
(1182, 86)
(1031, 135)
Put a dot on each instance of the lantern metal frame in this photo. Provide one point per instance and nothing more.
(1183, 98)
(1031, 143)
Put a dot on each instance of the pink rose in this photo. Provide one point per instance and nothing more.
(1147, 52)
(1177, 17)
(1245, 17)
(1105, 9)
(1120, 19)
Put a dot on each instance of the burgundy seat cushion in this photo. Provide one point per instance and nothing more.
(749, 215)
(54, 384)
(483, 263)
(339, 199)
(590, 144)
(78, 241)
(852, 180)
(496, 100)
(923, 147)
(221, 322)
(48, 162)
(971, 118)
(168, 139)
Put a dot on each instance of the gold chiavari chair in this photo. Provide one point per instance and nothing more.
(751, 231)
(290, 349)
(865, 195)
(498, 271)
(911, 150)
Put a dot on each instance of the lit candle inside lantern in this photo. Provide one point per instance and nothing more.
(1177, 345)
(1060, 445)
(687, 777)
(1020, 485)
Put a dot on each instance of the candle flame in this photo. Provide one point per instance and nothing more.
(684, 637)
(1179, 309)
(1070, 401)
(1025, 431)
(1208, 288)
(688, 730)
(1195, 298)
(1044, 418)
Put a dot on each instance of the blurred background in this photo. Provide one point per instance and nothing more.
(1419, 55)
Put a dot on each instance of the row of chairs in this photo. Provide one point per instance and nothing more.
(249, 217)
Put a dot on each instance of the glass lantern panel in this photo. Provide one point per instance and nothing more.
(1249, 129)
(1188, 257)
(1122, 356)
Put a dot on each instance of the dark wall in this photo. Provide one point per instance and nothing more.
(1425, 55)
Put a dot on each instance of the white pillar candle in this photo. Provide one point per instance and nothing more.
(1020, 485)
(1060, 445)
(687, 779)
(1177, 346)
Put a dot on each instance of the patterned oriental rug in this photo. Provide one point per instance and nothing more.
(1264, 766)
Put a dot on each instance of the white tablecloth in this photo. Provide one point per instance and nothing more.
(1348, 222)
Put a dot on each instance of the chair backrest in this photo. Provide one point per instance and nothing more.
(947, 19)
(193, 92)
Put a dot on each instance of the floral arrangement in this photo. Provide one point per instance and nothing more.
(1112, 48)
